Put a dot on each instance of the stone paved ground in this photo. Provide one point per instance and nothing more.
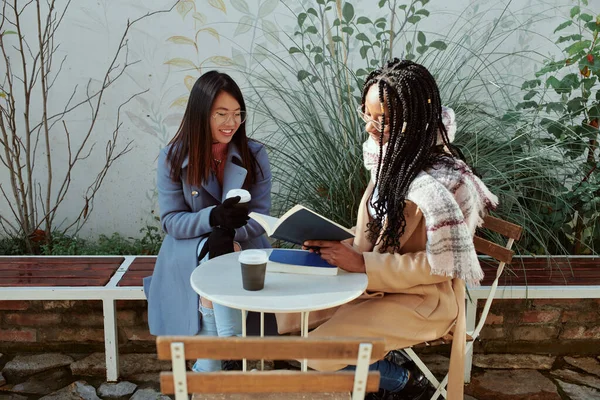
(55, 376)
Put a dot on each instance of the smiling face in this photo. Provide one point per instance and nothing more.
(224, 107)
(374, 112)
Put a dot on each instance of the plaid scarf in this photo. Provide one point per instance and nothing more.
(453, 201)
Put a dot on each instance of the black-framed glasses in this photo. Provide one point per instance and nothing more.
(221, 118)
(367, 119)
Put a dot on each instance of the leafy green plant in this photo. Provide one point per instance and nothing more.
(316, 146)
(62, 244)
(311, 101)
(565, 95)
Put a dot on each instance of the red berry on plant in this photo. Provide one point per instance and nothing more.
(590, 58)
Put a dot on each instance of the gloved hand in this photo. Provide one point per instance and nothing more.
(231, 214)
(219, 242)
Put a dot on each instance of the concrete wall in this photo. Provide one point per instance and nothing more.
(221, 31)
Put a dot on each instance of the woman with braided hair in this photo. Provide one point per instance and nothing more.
(414, 232)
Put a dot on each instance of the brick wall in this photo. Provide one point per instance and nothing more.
(564, 326)
(70, 325)
(523, 326)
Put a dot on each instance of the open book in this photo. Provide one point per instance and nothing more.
(299, 262)
(300, 224)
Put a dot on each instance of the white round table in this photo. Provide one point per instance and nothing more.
(220, 281)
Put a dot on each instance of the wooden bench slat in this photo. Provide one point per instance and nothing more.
(55, 274)
(503, 227)
(268, 381)
(60, 260)
(31, 281)
(272, 348)
(492, 249)
(42, 267)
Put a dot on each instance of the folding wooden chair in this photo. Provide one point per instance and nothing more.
(503, 254)
(179, 382)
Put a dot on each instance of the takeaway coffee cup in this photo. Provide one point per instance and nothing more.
(244, 195)
(254, 267)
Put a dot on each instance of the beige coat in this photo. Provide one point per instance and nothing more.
(403, 303)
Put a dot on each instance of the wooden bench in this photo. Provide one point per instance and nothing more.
(120, 278)
(79, 278)
(254, 384)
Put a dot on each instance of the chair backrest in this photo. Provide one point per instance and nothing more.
(503, 254)
(180, 348)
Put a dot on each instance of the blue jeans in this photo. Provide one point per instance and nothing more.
(217, 321)
(393, 376)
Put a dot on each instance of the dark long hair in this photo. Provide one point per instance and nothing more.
(194, 137)
(415, 117)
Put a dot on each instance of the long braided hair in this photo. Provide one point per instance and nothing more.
(415, 117)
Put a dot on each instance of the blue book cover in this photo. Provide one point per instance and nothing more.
(299, 261)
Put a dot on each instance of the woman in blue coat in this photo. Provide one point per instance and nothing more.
(209, 155)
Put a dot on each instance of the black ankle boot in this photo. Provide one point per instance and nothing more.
(231, 365)
(417, 387)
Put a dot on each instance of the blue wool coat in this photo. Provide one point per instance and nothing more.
(184, 216)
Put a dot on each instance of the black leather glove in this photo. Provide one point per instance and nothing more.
(230, 214)
(219, 242)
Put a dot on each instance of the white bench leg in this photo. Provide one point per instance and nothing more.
(470, 311)
(111, 340)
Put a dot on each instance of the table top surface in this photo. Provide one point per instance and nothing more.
(220, 280)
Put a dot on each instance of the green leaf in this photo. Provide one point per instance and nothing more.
(421, 38)
(363, 20)
(9, 33)
(574, 11)
(294, 50)
(361, 72)
(363, 51)
(576, 105)
(246, 22)
(301, 19)
(363, 37)
(348, 12)
(319, 58)
(569, 37)
(531, 84)
(424, 2)
(422, 11)
(311, 29)
(241, 6)
(313, 12)
(594, 112)
(530, 95)
(578, 46)
(438, 44)
(563, 25)
(267, 8)
(302, 74)
(422, 49)
(525, 105)
(409, 56)
(551, 67)
(588, 83)
(348, 30)
(413, 19)
(586, 17)
(557, 107)
(381, 3)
